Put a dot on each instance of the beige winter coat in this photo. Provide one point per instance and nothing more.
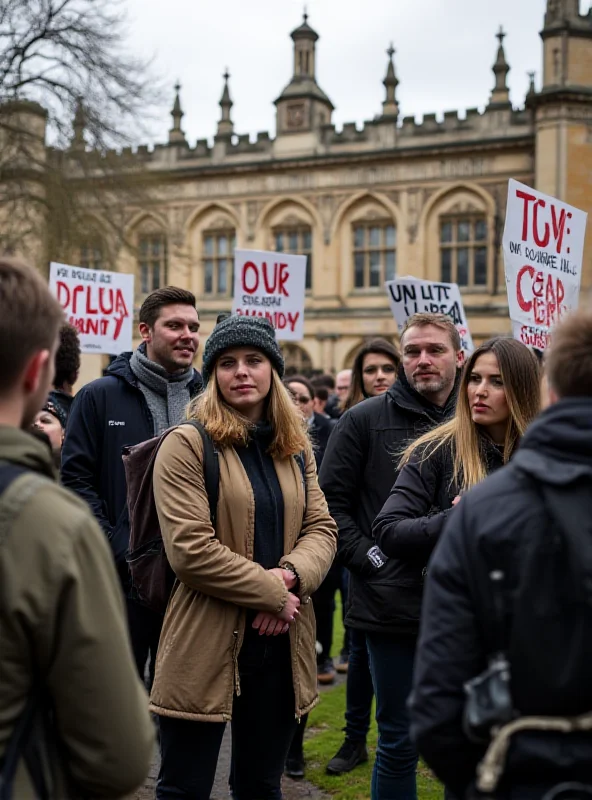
(196, 667)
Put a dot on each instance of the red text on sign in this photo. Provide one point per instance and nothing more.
(540, 295)
(272, 279)
(538, 224)
(83, 302)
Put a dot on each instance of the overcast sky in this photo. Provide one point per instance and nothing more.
(445, 51)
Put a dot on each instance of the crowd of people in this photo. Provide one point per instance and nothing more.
(466, 594)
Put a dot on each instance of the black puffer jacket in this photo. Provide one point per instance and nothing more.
(358, 472)
(107, 415)
(533, 521)
(412, 519)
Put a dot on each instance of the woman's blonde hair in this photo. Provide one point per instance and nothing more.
(227, 427)
(520, 373)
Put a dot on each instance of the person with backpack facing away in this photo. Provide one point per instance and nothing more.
(509, 585)
(75, 720)
(143, 394)
(238, 640)
(499, 397)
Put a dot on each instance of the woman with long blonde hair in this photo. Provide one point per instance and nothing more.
(238, 640)
(498, 398)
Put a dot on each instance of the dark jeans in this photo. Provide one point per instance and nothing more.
(391, 666)
(144, 628)
(359, 688)
(263, 724)
(323, 601)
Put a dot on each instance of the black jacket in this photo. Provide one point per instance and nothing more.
(320, 430)
(533, 521)
(357, 474)
(107, 414)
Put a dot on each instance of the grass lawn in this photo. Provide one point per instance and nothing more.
(325, 736)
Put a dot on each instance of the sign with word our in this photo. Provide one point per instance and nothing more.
(543, 250)
(99, 304)
(408, 296)
(271, 285)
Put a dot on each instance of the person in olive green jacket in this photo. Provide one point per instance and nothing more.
(63, 631)
(238, 640)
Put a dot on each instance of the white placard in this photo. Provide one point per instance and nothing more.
(543, 250)
(408, 296)
(271, 285)
(99, 304)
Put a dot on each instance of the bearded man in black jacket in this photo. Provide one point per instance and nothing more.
(529, 529)
(357, 475)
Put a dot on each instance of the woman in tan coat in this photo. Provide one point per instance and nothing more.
(238, 641)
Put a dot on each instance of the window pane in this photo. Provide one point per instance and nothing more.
(307, 240)
(374, 237)
(293, 242)
(481, 266)
(209, 245)
(143, 246)
(155, 275)
(374, 269)
(156, 244)
(462, 266)
(446, 266)
(481, 230)
(222, 246)
(145, 288)
(358, 238)
(446, 232)
(390, 235)
(223, 276)
(208, 277)
(359, 271)
(279, 243)
(389, 271)
(464, 231)
(308, 272)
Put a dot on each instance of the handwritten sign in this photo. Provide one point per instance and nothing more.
(271, 285)
(99, 304)
(543, 250)
(408, 296)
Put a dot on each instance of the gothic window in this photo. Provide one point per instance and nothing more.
(463, 251)
(375, 254)
(296, 239)
(218, 262)
(90, 255)
(152, 262)
(298, 362)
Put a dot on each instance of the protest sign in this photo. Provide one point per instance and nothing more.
(543, 250)
(271, 285)
(408, 296)
(99, 304)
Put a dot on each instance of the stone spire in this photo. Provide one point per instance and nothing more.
(501, 93)
(532, 86)
(176, 135)
(390, 107)
(225, 125)
(79, 126)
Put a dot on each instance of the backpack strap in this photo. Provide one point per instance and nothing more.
(211, 468)
(301, 461)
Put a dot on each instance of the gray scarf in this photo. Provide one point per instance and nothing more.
(167, 395)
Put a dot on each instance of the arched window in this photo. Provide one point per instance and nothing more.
(463, 250)
(374, 253)
(218, 261)
(298, 362)
(152, 262)
(290, 238)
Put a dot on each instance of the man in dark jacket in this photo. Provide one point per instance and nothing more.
(357, 475)
(529, 527)
(143, 394)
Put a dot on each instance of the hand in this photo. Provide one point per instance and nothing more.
(286, 575)
(290, 611)
(457, 500)
(269, 625)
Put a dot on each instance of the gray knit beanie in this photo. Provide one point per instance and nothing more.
(241, 331)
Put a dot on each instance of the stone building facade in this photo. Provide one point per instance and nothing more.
(393, 197)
